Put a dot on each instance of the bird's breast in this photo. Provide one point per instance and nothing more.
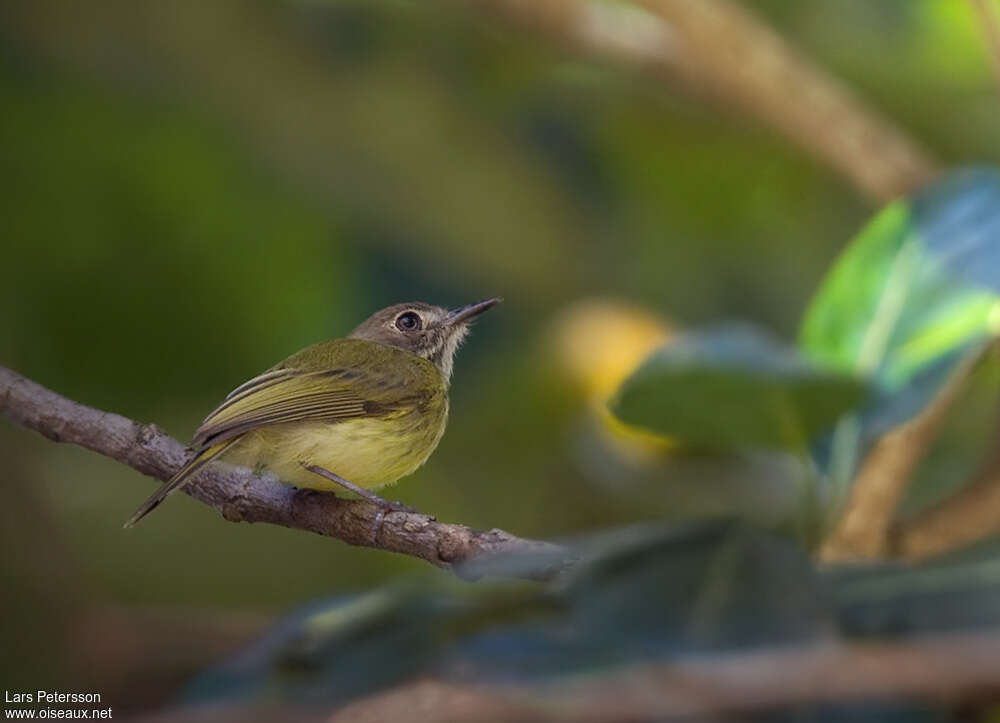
(370, 452)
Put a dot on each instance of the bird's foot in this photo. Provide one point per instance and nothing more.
(382, 506)
(389, 506)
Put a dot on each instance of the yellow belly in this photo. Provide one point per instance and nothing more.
(368, 452)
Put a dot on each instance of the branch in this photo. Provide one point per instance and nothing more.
(967, 517)
(719, 48)
(864, 530)
(931, 668)
(951, 670)
(987, 15)
(961, 519)
(239, 494)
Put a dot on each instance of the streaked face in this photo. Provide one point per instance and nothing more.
(431, 332)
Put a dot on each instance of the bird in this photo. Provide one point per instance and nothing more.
(353, 414)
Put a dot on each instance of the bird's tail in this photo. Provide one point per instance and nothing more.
(180, 478)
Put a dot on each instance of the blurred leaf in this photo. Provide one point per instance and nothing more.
(288, 661)
(648, 592)
(735, 387)
(703, 585)
(334, 651)
(912, 294)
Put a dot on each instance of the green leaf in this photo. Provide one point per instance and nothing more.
(735, 387)
(915, 291)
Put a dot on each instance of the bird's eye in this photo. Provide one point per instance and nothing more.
(408, 321)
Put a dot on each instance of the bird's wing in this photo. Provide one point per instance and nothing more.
(286, 395)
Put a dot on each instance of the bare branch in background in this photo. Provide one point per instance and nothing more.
(962, 519)
(719, 48)
(967, 517)
(863, 532)
(238, 493)
(987, 13)
(935, 669)
(931, 668)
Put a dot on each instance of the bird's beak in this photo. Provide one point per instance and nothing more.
(465, 313)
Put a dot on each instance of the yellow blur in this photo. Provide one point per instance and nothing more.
(599, 343)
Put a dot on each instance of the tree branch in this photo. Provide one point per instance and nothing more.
(987, 15)
(717, 48)
(865, 528)
(961, 519)
(930, 668)
(967, 517)
(238, 493)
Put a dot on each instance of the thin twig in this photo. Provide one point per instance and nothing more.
(242, 496)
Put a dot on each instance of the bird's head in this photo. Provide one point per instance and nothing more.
(431, 332)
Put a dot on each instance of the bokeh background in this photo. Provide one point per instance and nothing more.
(192, 191)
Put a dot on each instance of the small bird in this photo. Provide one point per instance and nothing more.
(356, 413)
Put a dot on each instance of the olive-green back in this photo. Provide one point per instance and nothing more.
(328, 382)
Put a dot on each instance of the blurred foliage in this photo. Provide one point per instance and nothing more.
(913, 293)
(193, 192)
(638, 595)
(916, 293)
(736, 387)
(910, 298)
